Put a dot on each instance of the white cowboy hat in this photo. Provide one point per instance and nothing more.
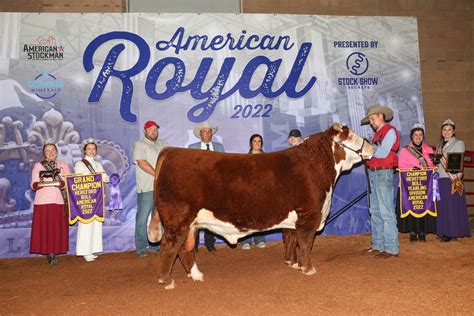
(377, 109)
(197, 129)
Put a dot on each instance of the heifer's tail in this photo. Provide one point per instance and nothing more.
(155, 228)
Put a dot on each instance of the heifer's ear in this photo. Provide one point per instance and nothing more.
(338, 127)
(342, 132)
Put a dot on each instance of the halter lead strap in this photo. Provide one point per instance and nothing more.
(359, 151)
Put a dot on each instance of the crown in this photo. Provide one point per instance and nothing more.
(417, 126)
(49, 141)
(89, 140)
(448, 122)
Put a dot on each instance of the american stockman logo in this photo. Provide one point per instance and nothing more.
(45, 85)
(357, 63)
(45, 48)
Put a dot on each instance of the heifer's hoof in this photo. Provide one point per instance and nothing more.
(160, 281)
(295, 266)
(197, 277)
(170, 286)
(310, 271)
(195, 274)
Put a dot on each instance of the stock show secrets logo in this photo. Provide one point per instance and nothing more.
(45, 85)
(357, 64)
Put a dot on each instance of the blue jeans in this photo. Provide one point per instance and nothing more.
(257, 238)
(144, 209)
(382, 212)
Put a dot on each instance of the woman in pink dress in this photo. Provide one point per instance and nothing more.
(416, 156)
(50, 227)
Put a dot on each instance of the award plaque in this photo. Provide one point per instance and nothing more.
(454, 162)
(44, 184)
(47, 178)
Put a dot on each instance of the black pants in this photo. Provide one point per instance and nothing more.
(209, 239)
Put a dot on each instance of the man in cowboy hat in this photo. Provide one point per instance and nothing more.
(145, 154)
(204, 131)
(381, 172)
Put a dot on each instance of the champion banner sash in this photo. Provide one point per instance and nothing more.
(85, 198)
(416, 193)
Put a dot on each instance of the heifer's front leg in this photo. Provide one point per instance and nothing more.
(305, 243)
(170, 245)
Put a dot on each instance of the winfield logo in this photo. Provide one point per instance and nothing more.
(45, 85)
(45, 48)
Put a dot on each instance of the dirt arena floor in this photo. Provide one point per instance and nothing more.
(430, 278)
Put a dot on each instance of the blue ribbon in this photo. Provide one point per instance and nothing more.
(115, 202)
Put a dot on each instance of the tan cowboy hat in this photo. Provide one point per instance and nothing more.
(201, 126)
(377, 109)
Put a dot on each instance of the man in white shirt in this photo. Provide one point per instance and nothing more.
(205, 131)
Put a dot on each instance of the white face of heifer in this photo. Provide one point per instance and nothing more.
(355, 147)
(348, 149)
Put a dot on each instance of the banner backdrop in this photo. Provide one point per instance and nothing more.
(73, 76)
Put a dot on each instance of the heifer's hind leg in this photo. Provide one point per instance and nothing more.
(172, 241)
(305, 243)
(291, 242)
(188, 259)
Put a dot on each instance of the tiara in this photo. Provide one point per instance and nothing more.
(49, 141)
(448, 122)
(89, 140)
(418, 125)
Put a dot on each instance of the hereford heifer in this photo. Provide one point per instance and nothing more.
(235, 195)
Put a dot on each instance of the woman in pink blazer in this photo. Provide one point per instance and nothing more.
(416, 156)
(50, 227)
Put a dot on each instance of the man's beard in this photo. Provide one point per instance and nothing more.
(152, 139)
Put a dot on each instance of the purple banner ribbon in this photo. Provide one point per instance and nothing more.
(416, 193)
(85, 198)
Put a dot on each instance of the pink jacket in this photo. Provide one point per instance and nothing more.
(408, 161)
(48, 195)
